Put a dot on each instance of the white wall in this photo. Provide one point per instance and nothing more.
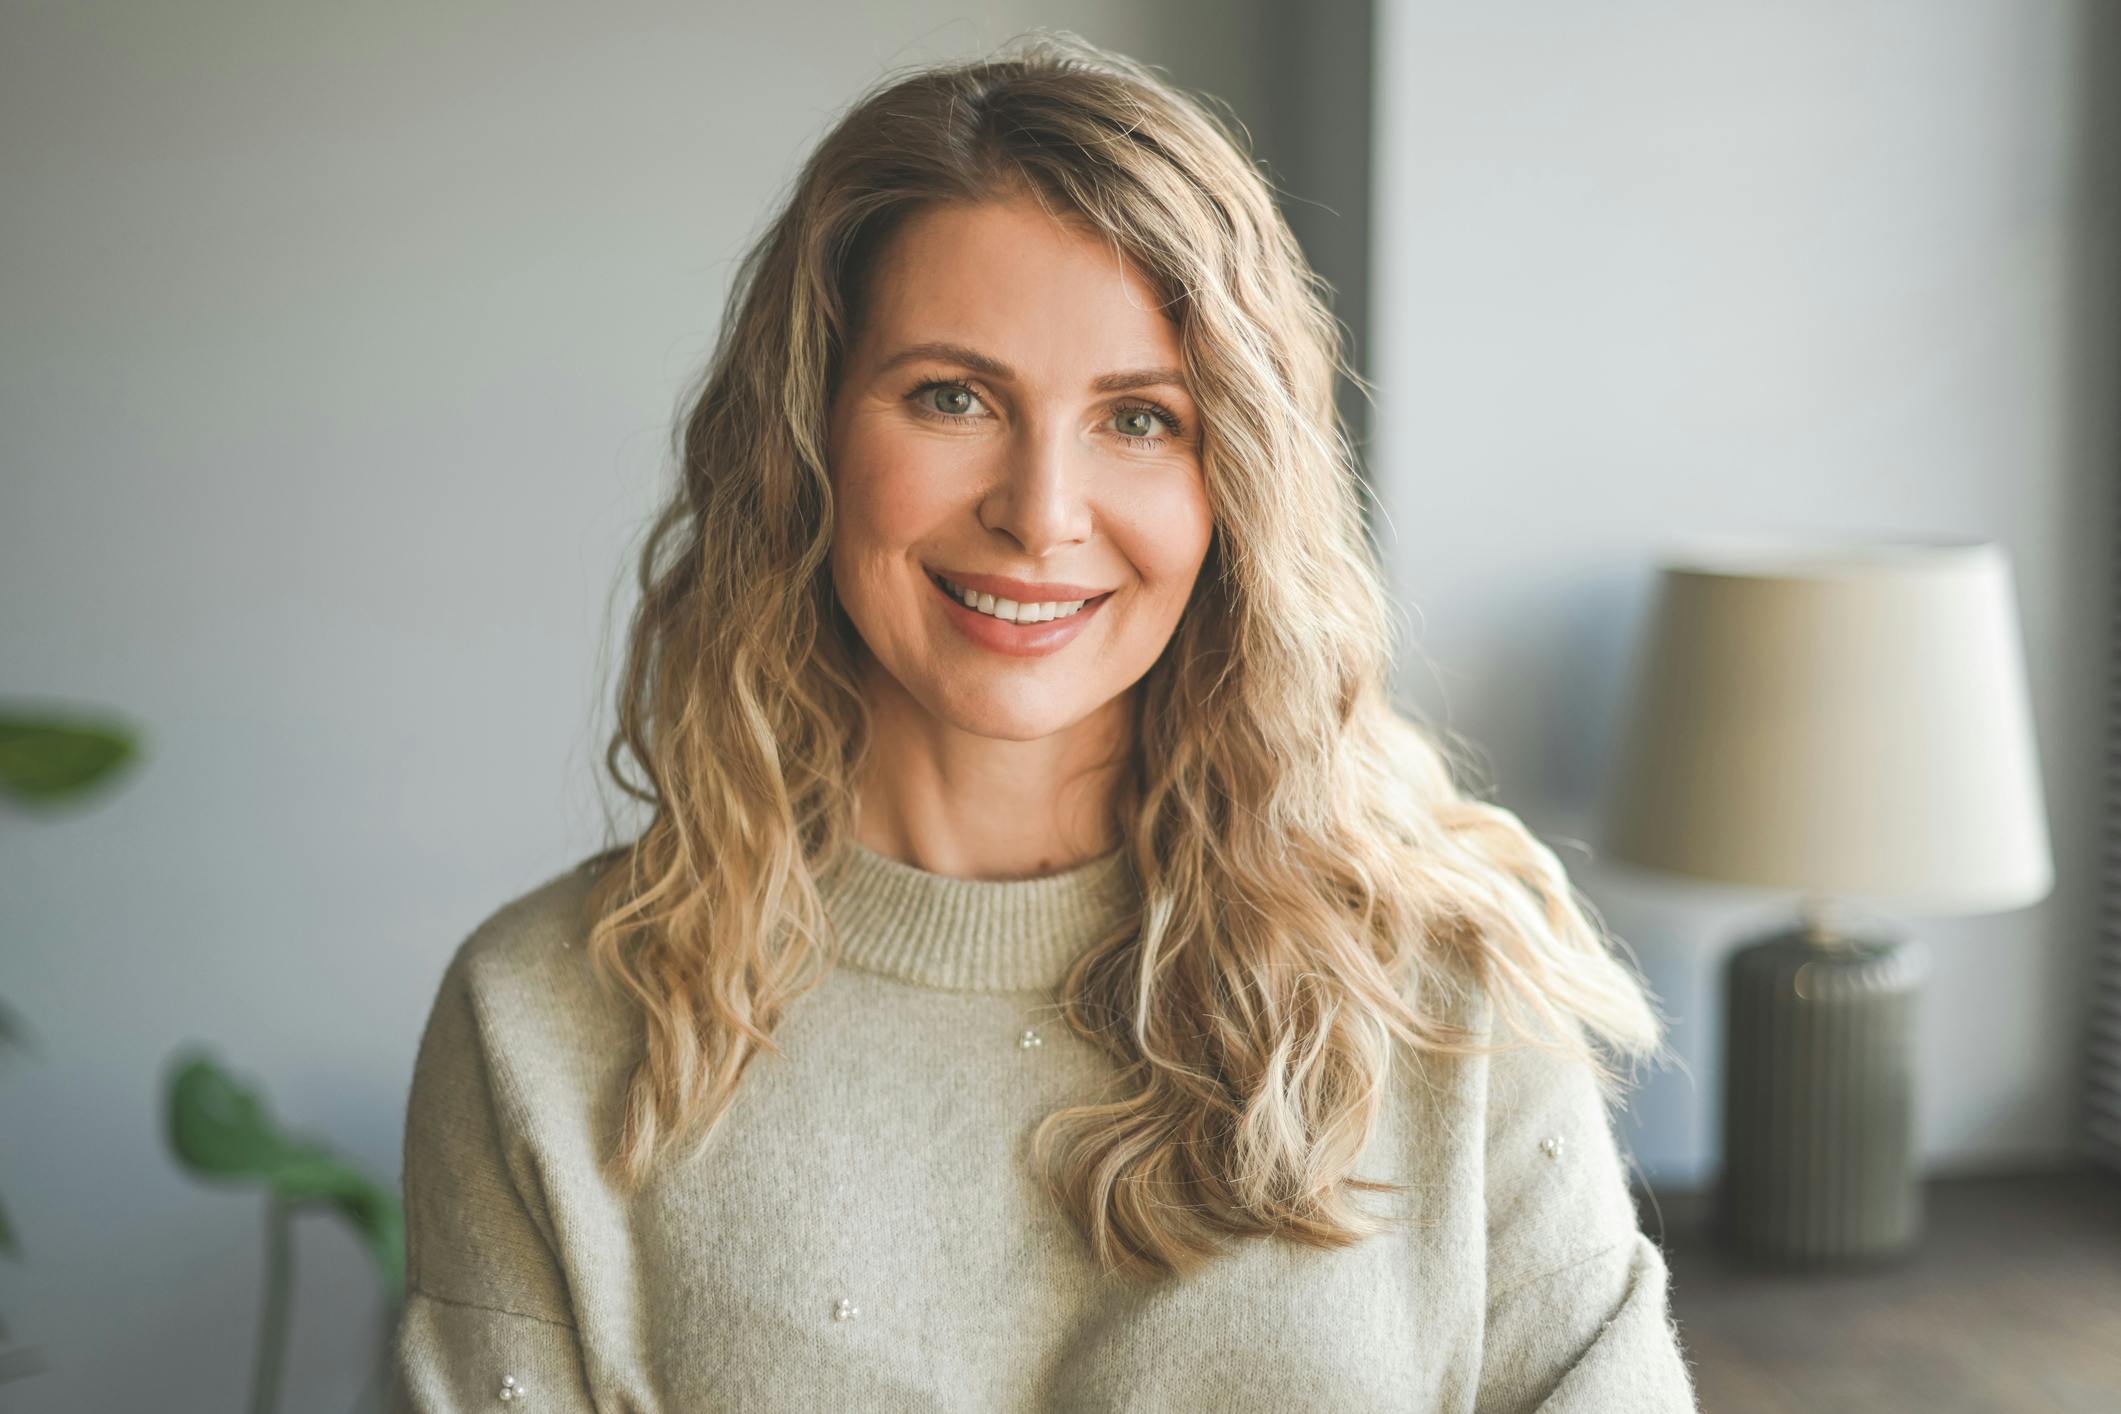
(338, 350)
(1644, 268)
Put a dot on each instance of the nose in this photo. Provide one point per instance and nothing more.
(1041, 496)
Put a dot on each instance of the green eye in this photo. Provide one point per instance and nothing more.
(960, 400)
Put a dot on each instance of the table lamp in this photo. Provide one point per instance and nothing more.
(1850, 720)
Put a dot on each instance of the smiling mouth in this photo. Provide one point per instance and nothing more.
(1009, 611)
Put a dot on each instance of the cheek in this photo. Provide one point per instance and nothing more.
(1163, 529)
(888, 496)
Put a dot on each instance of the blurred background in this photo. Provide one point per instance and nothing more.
(339, 347)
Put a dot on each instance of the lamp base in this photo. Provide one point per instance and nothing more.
(1818, 1100)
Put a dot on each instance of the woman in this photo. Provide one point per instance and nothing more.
(1052, 977)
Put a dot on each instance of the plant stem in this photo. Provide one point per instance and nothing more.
(382, 1369)
(272, 1331)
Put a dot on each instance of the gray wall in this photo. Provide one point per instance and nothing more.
(1647, 268)
(338, 350)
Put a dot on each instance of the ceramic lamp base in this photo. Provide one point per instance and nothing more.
(1818, 1101)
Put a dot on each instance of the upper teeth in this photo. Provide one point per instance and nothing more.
(1012, 611)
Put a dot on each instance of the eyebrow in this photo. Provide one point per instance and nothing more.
(992, 367)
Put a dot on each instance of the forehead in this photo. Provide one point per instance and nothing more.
(1042, 293)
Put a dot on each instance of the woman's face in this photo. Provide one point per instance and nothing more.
(1011, 420)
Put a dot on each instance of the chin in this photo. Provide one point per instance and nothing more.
(1011, 721)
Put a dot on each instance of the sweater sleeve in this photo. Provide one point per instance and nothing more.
(486, 1302)
(1577, 1308)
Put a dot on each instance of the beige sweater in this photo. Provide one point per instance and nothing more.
(864, 1233)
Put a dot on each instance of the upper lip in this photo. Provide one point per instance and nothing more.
(1023, 591)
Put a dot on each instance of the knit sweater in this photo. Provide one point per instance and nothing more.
(865, 1232)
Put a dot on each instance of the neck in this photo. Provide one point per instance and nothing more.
(953, 802)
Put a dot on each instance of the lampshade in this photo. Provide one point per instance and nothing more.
(1846, 718)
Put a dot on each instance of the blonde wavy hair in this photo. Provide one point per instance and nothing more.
(1314, 887)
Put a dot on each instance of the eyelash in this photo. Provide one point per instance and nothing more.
(1156, 410)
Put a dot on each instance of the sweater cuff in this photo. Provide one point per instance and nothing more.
(449, 1356)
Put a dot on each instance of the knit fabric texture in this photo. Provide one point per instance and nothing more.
(865, 1230)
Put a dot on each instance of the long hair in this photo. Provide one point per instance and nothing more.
(1315, 889)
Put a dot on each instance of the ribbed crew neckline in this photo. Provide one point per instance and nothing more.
(982, 935)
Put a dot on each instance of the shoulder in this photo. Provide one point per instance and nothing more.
(1556, 1167)
(1522, 1076)
(491, 1092)
(534, 943)
(544, 924)
(1542, 1130)
(524, 1048)
(520, 984)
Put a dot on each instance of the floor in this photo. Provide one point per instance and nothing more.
(2011, 1302)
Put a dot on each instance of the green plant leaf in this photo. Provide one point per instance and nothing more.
(221, 1130)
(45, 757)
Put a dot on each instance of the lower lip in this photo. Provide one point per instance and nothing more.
(1017, 640)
